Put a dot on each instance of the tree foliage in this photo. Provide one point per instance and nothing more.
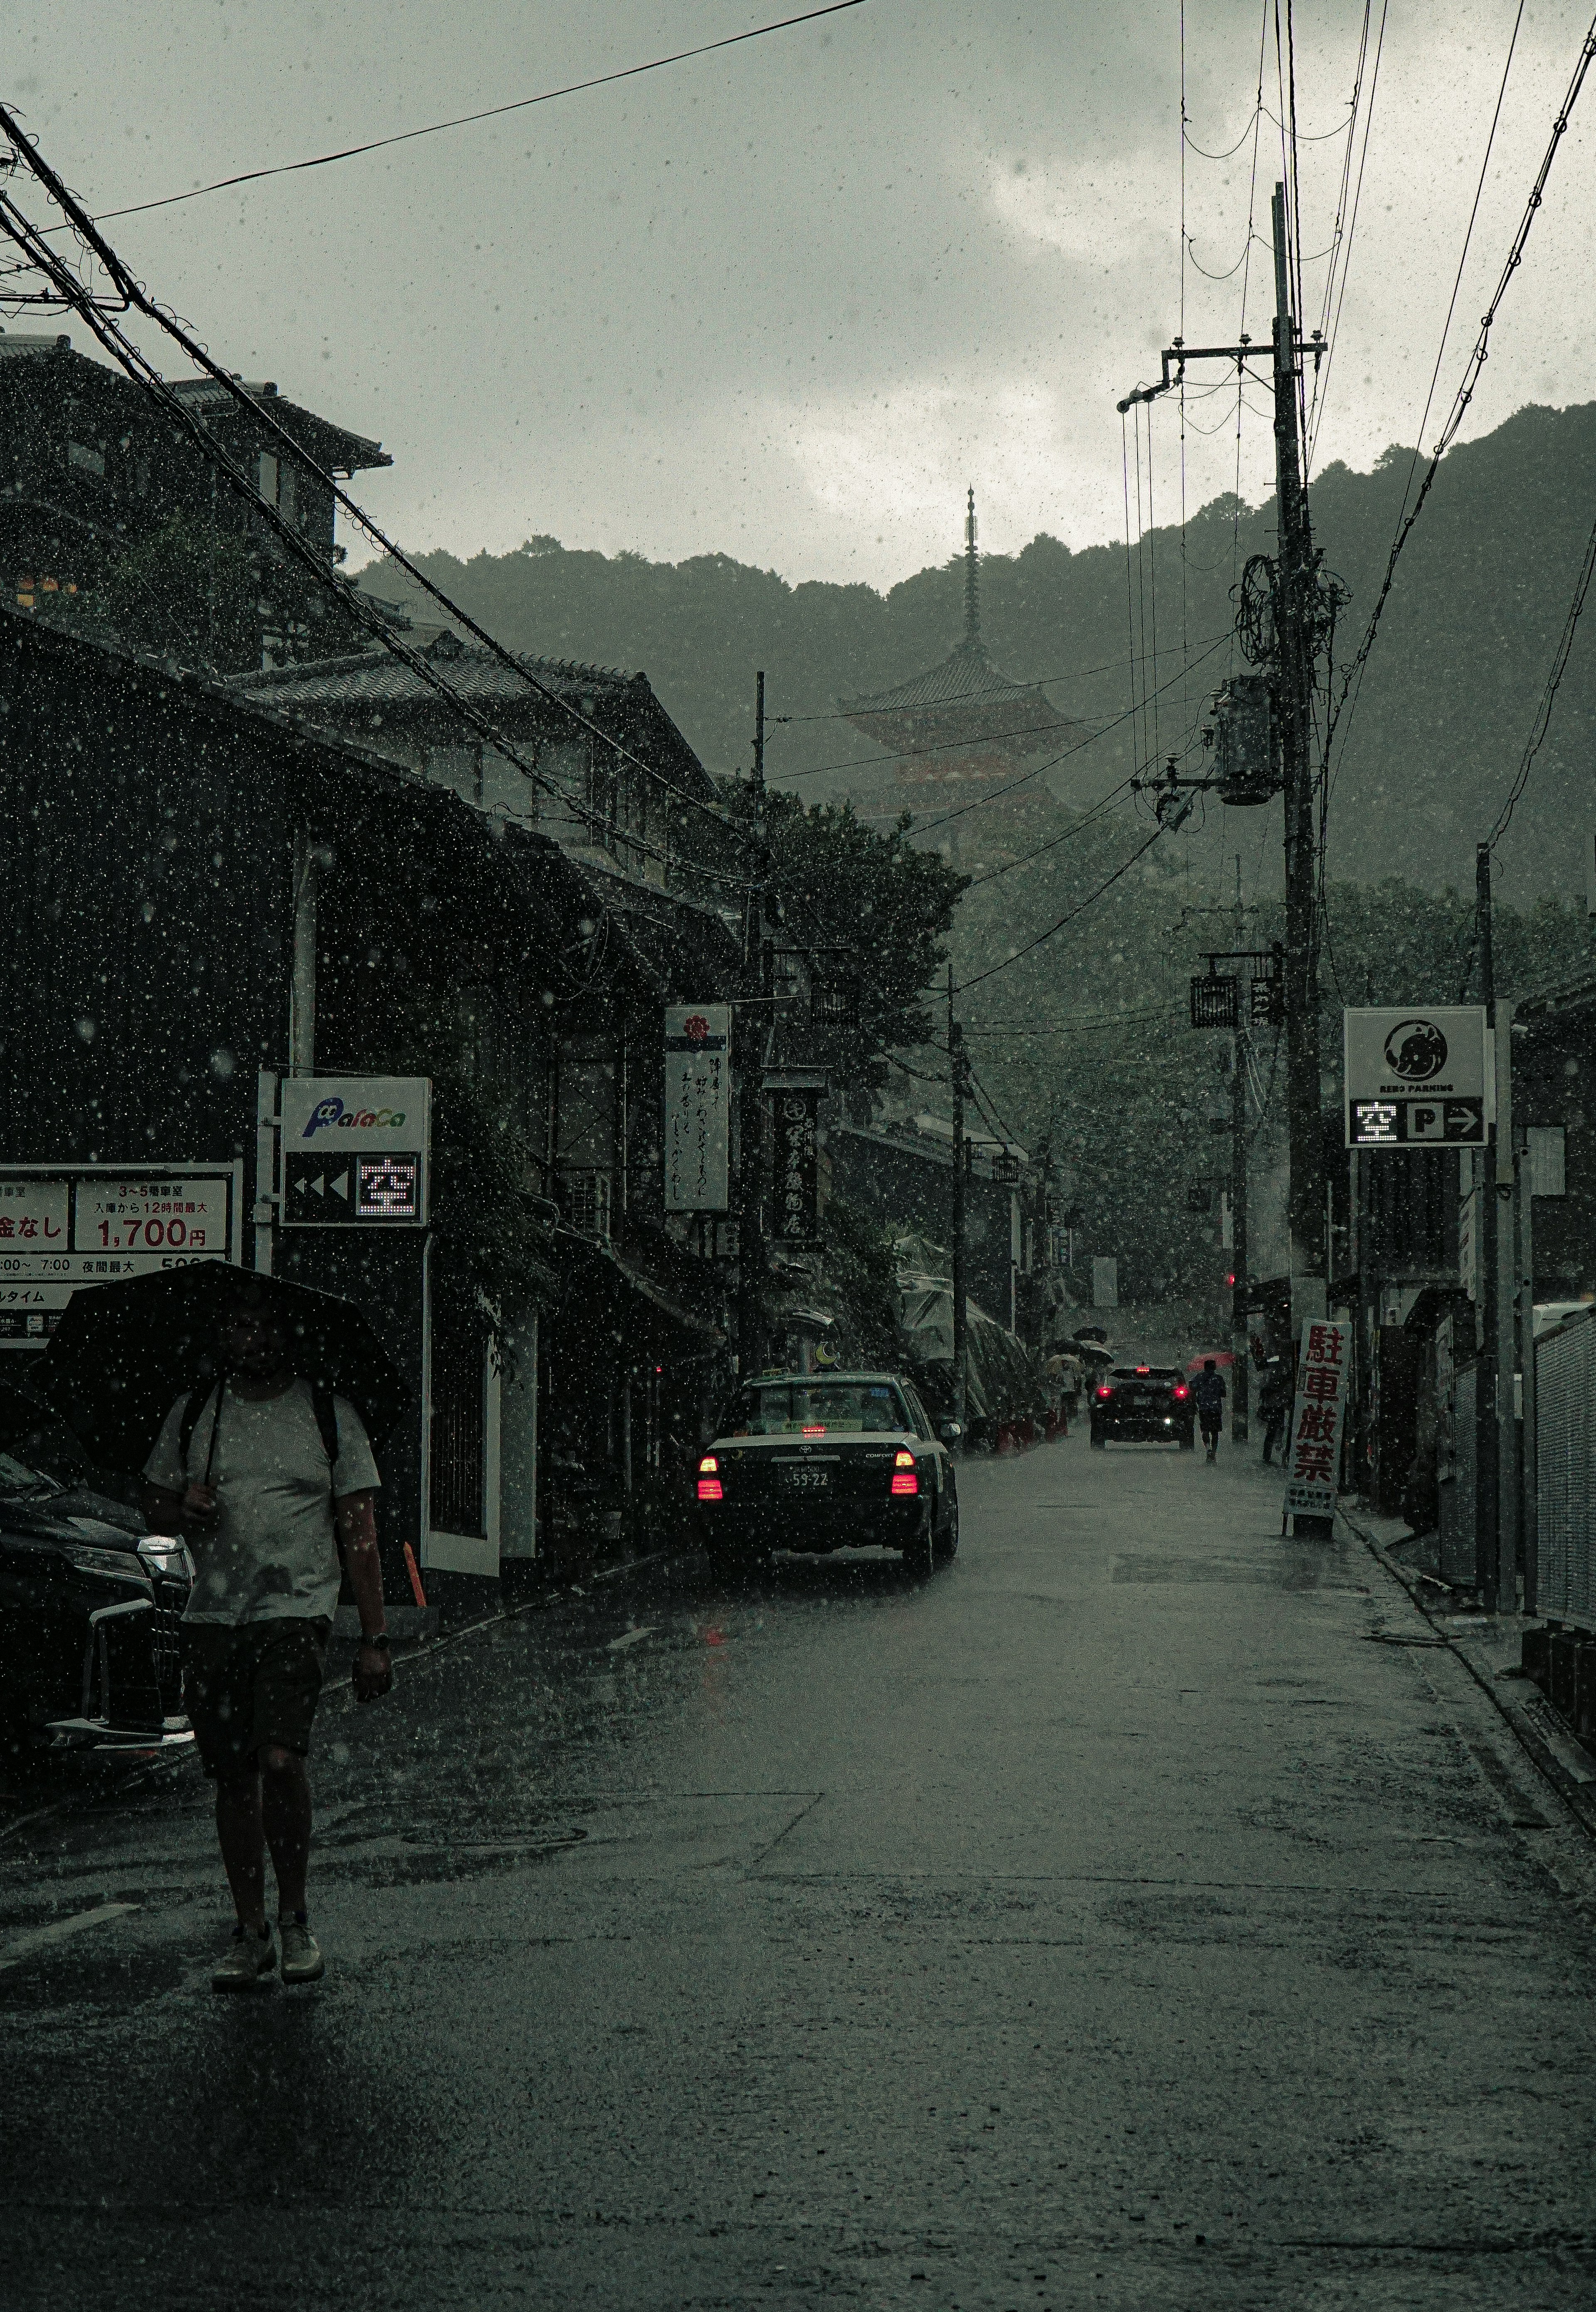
(889, 906)
(184, 592)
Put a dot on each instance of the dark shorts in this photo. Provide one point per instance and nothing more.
(249, 1685)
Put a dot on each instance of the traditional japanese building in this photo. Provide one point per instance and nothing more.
(91, 467)
(963, 730)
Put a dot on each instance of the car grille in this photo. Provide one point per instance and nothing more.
(166, 1645)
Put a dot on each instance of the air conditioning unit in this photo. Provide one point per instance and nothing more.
(585, 1198)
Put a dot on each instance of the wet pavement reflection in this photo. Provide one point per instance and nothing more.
(1100, 1920)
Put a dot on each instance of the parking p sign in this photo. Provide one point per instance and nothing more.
(1417, 1076)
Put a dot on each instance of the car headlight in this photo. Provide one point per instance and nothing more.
(162, 1554)
(121, 1562)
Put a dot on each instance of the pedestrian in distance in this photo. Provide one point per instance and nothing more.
(271, 1480)
(1208, 1389)
(1274, 1404)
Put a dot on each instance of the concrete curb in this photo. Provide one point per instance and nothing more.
(1536, 1728)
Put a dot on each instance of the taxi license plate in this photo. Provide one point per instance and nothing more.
(806, 1481)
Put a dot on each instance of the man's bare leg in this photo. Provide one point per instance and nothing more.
(244, 1848)
(286, 1816)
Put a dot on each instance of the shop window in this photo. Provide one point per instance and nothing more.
(1545, 1160)
(459, 1487)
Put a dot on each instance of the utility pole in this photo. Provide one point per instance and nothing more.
(1294, 619)
(750, 1232)
(1497, 1185)
(1289, 649)
(1487, 1531)
(960, 1320)
(1241, 1368)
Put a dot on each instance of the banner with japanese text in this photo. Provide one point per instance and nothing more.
(698, 1107)
(1318, 1414)
(796, 1217)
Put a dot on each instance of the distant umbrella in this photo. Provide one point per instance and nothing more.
(123, 1353)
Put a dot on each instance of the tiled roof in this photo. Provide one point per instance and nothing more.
(377, 678)
(967, 677)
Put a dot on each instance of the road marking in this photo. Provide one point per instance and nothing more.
(630, 1638)
(21, 1947)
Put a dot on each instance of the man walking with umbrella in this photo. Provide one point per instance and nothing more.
(271, 1480)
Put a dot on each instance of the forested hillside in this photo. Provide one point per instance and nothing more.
(1448, 699)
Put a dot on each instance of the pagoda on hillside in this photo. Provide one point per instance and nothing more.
(962, 725)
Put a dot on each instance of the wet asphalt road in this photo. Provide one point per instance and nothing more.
(1132, 1916)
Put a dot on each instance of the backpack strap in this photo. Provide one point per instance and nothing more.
(199, 1400)
(327, 1422)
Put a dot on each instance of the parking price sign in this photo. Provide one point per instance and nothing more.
(64, 1226)
(1417, 1078)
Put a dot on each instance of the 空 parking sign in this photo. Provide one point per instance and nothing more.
(1417, 1076)
(354, 1150)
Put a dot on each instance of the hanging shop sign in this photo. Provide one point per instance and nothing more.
(354, 1150)
(1317, 1416)
(64, 1226)
(796, 1192)
(698, 1107)
(1417, 1078)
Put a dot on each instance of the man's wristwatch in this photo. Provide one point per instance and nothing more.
(374, 1638)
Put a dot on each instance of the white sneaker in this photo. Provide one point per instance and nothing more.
(301, 1956)
(247, 1959)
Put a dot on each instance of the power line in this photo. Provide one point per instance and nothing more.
(1477, 359)
(1034, 681)
(1543, 713)
(29, 238)
(1090, 818)
(1041, 937)
(470, 120)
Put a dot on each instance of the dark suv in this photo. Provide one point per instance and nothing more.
(1145, 1404)
(90, 1599)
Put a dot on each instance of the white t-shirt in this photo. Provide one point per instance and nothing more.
(272, 1554)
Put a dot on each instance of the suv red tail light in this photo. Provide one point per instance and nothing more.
(709, 1484)
(1182, 1390)
(904, 1480)
(1104, 1391)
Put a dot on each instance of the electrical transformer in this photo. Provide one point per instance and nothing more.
(1245, 752)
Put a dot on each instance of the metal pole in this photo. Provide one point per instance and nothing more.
(1529, 1512)
(960, 1325)
(1240, 1364)
(1504, 1185)
(750, 1241)
(1295, 641)
(1486, 1529)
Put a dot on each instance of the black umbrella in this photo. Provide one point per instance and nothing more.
(123, 1353)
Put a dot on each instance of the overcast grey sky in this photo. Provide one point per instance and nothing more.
(783, 302)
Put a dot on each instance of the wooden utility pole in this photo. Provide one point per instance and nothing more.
(757, 974)
(1289, 652)
(1484, 1223)
(1295, 613)
(1497, 1492)
(1240, 1371)
(956, 1062)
